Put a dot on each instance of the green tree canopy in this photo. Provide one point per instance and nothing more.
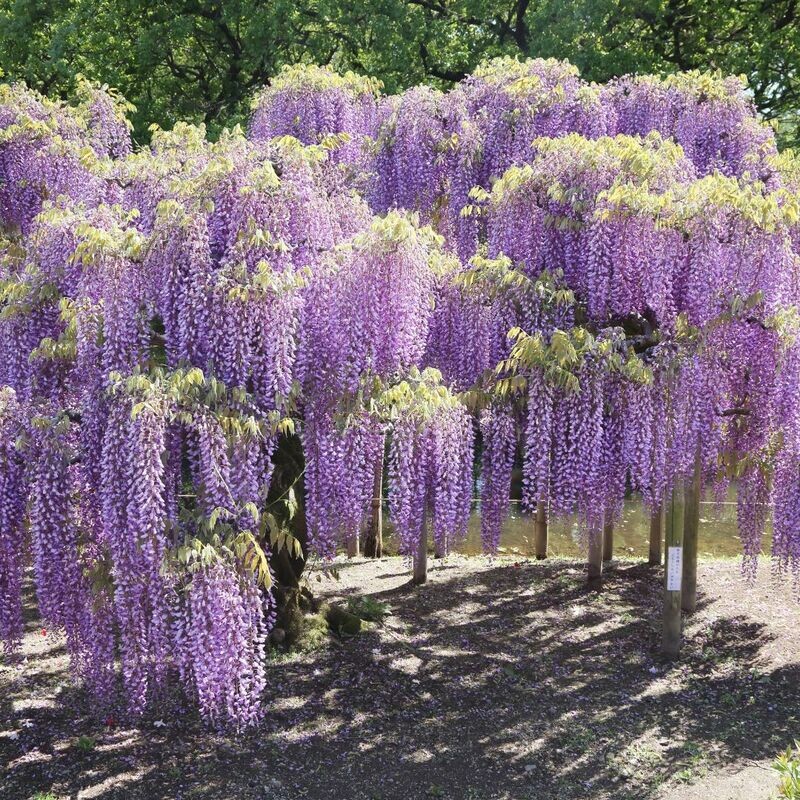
(202, 59)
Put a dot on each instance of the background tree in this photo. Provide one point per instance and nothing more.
(201, 59)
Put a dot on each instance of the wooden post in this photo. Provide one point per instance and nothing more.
(608, 540)
(540, 531)
(596, 557)
(373, 540)
(673, 572)
(691, 526)
(420, 574)
(353, 549)
(656, 535)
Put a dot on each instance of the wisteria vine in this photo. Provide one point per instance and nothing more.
(599, 283)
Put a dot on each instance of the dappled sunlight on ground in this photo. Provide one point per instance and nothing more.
(499, 680)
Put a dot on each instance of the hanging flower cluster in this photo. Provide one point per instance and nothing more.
(700, 276)
(48, 149)
(433, 149)
(13, 491)
(430, 462)
(498, 429)
(149, 357)
(710, 115)
(313, 104)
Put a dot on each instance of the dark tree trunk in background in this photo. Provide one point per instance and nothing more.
(287, 569)
(656, 535)
(373, 538)
(540, 531)
(420, 573)
(608, 541)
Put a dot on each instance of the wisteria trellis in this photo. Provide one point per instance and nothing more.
(606, 276)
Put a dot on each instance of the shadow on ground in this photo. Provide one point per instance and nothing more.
(497, 681)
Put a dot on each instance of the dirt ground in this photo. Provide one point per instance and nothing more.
(498, 680)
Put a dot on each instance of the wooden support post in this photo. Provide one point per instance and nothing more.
(353, 549)
(673, 572)
(540, 531)
(420, 574)
(691, 526)
(608, 540)
(373, 541)
(596, 557)
(656, 535)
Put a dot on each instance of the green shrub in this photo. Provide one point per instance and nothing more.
(788, 768)
(368, 608)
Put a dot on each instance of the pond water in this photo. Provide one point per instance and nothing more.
(717, 534)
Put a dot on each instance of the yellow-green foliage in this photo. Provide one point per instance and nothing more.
(519, 78)
(397, 227)
(645, 179)
(696, 201)
(420, 395)
(309, 77)
(639, 161)
(787, 165)
(787, 766)
(709, 85)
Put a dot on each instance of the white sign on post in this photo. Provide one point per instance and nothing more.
(674, 569)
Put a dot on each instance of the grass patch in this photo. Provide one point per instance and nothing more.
(694, 763)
